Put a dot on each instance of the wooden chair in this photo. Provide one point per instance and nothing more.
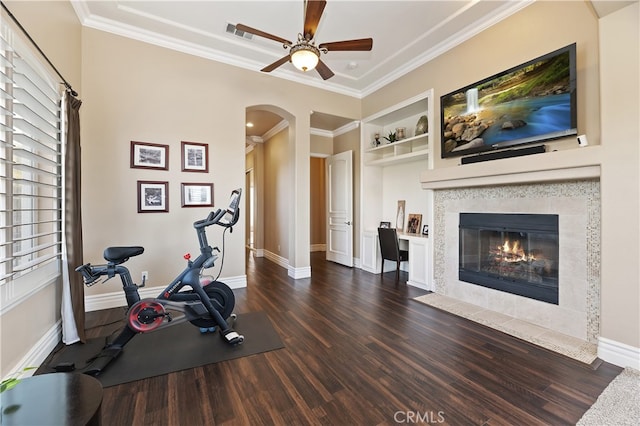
(390, 249)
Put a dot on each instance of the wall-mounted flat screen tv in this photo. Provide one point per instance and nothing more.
(530, 103)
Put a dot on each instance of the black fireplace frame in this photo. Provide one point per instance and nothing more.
(546, 223)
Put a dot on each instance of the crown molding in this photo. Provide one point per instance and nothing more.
(346, 128)
(275, 130)
(113, 27)
(321, 132)
(460, 37)
(337, 132)
(91, 21)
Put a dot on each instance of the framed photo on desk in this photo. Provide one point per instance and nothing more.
(400, 216)
(414, 222)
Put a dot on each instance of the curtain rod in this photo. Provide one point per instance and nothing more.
(66, 84)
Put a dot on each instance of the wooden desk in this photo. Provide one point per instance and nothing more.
(53, 399)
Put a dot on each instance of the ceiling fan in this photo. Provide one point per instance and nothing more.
(304, 54)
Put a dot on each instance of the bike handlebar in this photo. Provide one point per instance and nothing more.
(215, 217)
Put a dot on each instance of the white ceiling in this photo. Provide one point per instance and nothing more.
(406, 34)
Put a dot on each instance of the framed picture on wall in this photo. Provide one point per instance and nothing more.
(195, 157)
(146, 155)
(197, 194)
(153, 197)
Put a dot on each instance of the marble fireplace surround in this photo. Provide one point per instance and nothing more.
(567, 185)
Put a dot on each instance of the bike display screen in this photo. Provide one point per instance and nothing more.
(233, 206)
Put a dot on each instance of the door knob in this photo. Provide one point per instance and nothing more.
(348, 223)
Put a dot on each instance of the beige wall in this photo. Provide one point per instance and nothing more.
(136, 91)
(321, 145)
(255, 161)
(277, 175)
(620, 182)
(57, 31)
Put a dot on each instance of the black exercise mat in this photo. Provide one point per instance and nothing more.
(175, 348)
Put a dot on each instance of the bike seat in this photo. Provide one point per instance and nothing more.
(119, 255)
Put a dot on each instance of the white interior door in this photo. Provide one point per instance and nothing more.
(340, 208)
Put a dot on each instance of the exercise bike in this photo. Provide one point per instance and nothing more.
(207, 304)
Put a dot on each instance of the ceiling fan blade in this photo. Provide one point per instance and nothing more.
(246, 29)
(312, 14)
(359, 44)
(324, 70)
(276, 64)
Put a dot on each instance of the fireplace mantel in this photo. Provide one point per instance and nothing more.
(570, 164)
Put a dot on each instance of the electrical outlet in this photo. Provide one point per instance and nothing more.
(145, 276)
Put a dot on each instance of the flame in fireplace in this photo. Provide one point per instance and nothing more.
(513, 252)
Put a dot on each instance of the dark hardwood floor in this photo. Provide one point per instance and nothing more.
(360, 351)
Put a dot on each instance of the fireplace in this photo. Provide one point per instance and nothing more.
(514, 253)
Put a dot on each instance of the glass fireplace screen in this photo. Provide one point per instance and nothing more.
(516, 253)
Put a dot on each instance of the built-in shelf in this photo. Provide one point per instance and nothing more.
(390, 174)
(408, 149)
(414, 147)
(399, 159)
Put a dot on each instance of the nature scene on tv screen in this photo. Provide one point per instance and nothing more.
(528, 104)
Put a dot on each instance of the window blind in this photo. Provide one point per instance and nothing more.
(30, 164)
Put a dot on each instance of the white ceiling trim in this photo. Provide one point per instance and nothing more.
(337, 132)
(321, 132)
(449, 44)
(346, 128)
(135, 33)
(408, 46)
(254, 139)
(113, 27)
(275, 130)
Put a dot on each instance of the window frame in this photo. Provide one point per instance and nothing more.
(31, 171)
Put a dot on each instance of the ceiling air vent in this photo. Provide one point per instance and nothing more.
(231, 29)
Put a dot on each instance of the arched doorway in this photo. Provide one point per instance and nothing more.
(280, 208)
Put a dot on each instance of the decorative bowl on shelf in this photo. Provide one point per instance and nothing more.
(423, 125)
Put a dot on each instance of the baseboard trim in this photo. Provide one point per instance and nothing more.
(617, 353)
(417, 285)
(298, 273)
(277, 259)
(318, 247)
(115, 299)
(41, 350)
(295, 273)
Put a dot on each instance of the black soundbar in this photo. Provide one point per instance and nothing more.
(504, 154)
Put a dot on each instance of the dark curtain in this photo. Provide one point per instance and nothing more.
(73, 212)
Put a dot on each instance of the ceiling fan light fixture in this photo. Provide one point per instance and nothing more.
(305, 56)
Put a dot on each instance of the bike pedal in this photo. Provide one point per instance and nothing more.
(233, 338)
